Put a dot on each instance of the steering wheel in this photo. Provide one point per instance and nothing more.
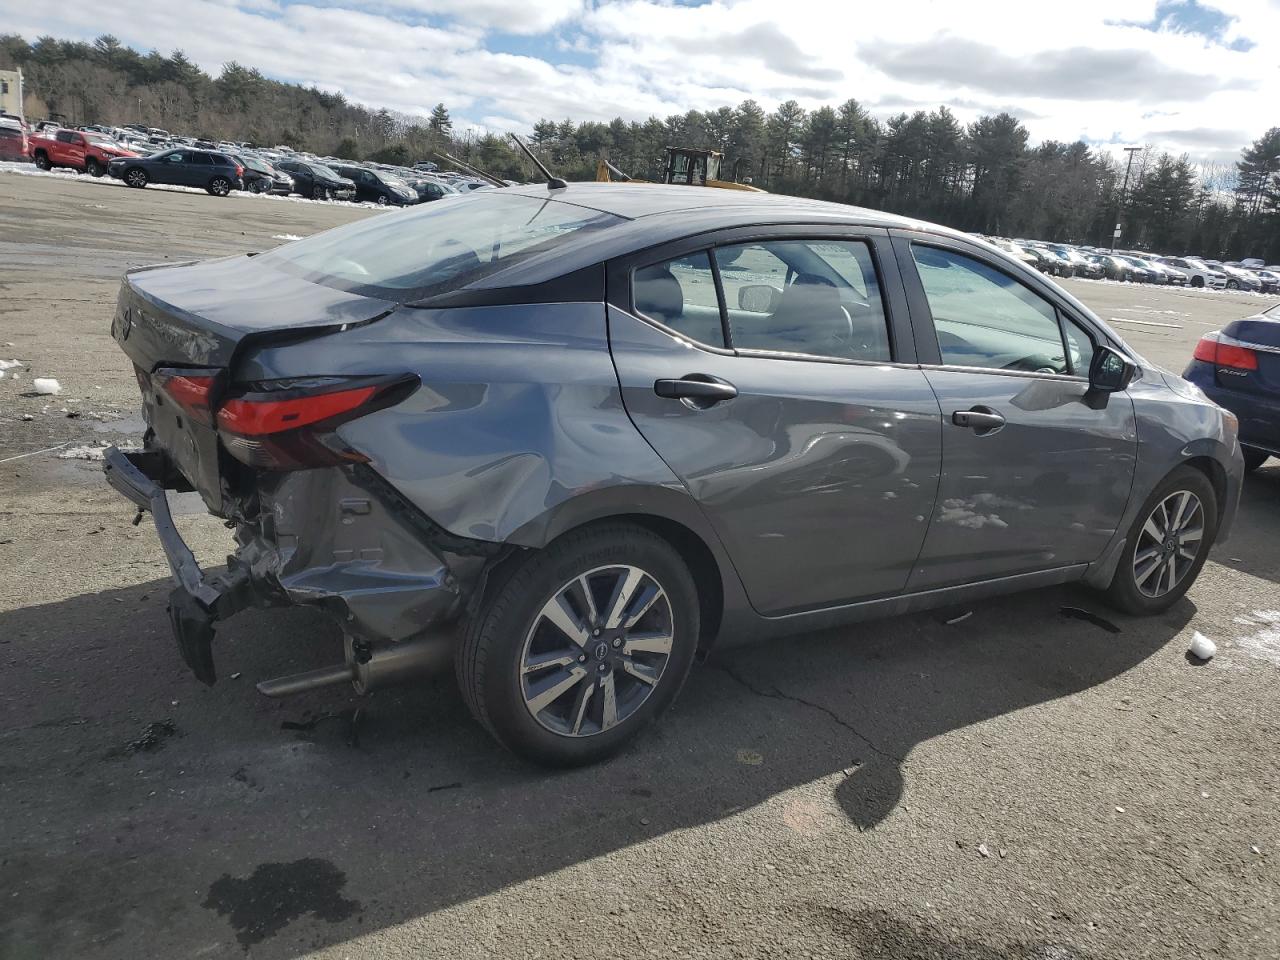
(1034, 363)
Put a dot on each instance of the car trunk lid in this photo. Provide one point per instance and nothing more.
(184, 326)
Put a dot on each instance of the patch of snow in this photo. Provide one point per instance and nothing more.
(91, 451)
(286, 236)
(1202, 648)
(47, 386)
(9, 364)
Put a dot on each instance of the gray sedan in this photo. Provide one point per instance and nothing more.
(568, 439)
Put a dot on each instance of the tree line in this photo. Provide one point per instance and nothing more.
(984, 176)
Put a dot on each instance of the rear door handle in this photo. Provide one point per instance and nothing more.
(699, 389)
(981, 420)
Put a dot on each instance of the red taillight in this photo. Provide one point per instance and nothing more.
(289, 424)
(193, 392)
(1224, 352)
(256, 417)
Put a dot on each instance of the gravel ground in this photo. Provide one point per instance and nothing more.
(1019, 784)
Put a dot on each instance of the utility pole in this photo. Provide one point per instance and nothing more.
(1123, 190)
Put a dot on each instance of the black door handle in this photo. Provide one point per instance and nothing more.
(699, 389)
(981, 420)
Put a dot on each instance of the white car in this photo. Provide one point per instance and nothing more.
(1199, 273)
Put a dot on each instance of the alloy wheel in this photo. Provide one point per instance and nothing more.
(136, 178)
(1168, 543)
(596, 651)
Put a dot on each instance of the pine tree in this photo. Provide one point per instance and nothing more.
(440, 122)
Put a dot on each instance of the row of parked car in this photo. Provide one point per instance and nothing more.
(1070, 260)
(140, 156)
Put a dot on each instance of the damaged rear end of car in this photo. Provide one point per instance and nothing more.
(260, 376)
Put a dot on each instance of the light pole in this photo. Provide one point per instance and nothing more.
(1123, 190)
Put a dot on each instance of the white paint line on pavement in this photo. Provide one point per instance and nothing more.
(1147, 323)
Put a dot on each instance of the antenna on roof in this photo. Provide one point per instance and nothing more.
(468, 168)
(553, 182)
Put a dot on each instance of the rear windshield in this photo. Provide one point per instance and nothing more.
(435, 248)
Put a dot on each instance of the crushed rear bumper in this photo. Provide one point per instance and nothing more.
(197, 599)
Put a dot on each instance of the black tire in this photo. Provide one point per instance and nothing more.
(136, 177)
(42, 160)
(94, 168)
(1233, 284)
(382, 200)
(1197, 281)
(1254, 458)
(491, 653)
(258, 186)
(219, 186)
(1124, 593)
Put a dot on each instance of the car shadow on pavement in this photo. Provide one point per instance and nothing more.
(148, 815)
(1252, 547)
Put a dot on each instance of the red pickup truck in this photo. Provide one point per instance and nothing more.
(87, 152)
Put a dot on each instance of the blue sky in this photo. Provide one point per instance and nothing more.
(1188, 75)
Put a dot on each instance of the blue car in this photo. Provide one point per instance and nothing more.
(1239, 368)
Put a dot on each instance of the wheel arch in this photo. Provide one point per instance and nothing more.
(1217, 475)
(669, 514)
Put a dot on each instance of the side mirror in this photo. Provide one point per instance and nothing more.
(759, 298)
(1109, 371)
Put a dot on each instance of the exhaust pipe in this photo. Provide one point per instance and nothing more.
(382, 666)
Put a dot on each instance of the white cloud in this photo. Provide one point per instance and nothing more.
(1081, 70)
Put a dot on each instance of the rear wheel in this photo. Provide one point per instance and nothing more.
(136, 177)
(94, 168)
(1253, 457)
(219, 186)
(1167, 544)
(581, 645)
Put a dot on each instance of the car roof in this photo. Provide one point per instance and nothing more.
(634, 201)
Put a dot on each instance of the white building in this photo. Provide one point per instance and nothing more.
(11, 92)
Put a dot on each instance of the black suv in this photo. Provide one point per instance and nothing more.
(374, 186)
(215, 172)
(316, 181)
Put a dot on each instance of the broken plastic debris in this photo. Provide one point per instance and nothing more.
(1202, 648)
(982, 849)
(1119, 809)
(1256, 849)
(959, 619)
(47, 386)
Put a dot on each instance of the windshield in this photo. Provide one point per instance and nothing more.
(324, 171)
(435, 248)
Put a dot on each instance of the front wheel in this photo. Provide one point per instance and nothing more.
(382, 200)
(219, 186)
(1167, 544)
(1233, 284)
(1197, 281)
(581, 644)
(135, 177)
(42, 161)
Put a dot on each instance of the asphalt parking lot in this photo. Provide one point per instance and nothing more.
(1022, 783)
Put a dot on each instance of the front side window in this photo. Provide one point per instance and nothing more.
(816, 297)
(985, 318)
(435, 248)
(681, 294)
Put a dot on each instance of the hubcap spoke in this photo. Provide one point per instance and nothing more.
(641, 672)
(1191, 536)
(623, 593)
(561, 615)
(548, 691)
(609, 713)
(1144, 575)
(580, 705)
(657, 642)
(542, 661)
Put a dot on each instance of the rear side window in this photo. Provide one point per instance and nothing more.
(985, 318)
(816, 297)
(681, 294)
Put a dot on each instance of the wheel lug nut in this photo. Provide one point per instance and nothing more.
(582, 658)
(617, 641)
(596, 632)
(602, 668)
